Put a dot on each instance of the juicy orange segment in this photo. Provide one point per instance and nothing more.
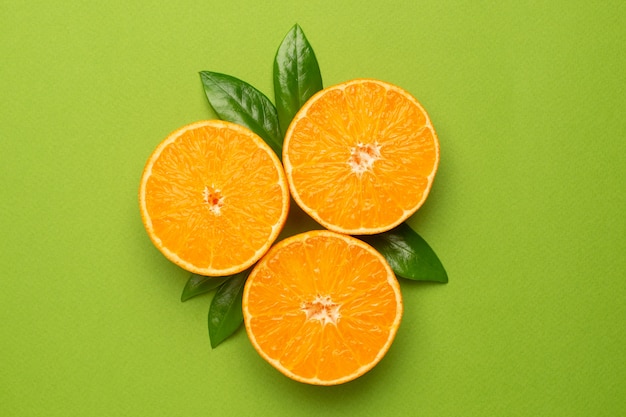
(213, 197)
(361, 157)
(321, 307)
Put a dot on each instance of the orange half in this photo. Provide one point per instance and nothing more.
(322, 307)
(361, 157)
(213, 197)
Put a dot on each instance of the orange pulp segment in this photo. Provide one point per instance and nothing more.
(213, 197)
(360, 157)
(322, 307)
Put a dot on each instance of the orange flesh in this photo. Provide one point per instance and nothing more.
(214, 198)
(322, 309)
(361, 157)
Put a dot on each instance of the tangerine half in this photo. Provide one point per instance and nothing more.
(322, 307)
(361, 156)
(213, 197)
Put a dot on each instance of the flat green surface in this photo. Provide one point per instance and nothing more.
(527, 211)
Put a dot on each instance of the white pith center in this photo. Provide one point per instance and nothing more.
(322, 309)
(363, 156)
(213, 198)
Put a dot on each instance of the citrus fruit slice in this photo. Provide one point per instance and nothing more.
(213, 197)
(322, 307)
(360, 157)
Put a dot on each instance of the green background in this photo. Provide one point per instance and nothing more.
(527, 212)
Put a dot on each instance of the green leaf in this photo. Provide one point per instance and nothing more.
(199, 284)
(236, 101)
(296, 75)
(225, 315)
(408, 254)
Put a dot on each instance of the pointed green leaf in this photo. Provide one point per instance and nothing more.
(236, 101)
(199, 284)
(225, 315)
(408, 254)
(296, 75)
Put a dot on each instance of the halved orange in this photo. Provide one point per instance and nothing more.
(322, 307)
(213, 197)
(360, 157)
